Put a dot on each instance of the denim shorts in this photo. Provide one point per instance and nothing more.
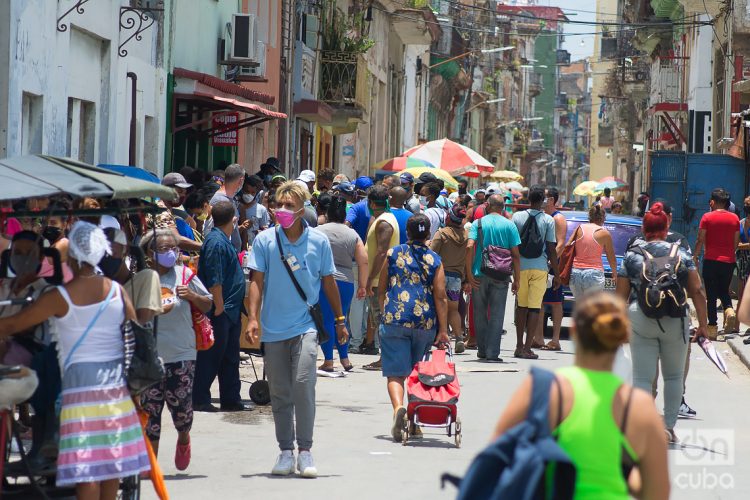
(583, 281)
(401, 348)
(453, 287)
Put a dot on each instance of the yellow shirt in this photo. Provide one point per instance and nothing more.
(372, 240)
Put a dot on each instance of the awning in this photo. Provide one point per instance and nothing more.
(199, 98)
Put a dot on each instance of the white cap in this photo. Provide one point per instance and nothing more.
(107, 221)
(306, 176)
(301, 183)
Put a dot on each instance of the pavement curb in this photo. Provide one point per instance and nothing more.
(740, 350)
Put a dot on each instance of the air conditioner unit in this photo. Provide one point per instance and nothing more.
(244, 37)
(255, 71)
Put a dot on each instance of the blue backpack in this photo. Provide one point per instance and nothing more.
(525, 463)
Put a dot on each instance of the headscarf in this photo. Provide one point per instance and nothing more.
(87, 243)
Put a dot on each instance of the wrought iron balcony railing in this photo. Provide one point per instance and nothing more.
(343, 79)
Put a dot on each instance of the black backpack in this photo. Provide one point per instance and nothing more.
(660, 294)
(532, 240)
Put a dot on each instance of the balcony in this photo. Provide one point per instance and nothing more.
(535, 84)
(343, 86)
(635, 78)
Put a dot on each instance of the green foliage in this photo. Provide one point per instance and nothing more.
(341, 33)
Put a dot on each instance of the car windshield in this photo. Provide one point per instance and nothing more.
(621, 234)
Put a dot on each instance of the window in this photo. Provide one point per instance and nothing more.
(31, 124)
(81, 135)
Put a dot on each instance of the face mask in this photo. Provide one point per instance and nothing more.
(51, 233)
(424, 200)
(23, 265)
(248, 198)
(202, 217)
(110, 266)
(166, 259)
(285, 217)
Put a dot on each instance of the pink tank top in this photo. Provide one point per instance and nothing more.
(588, 250)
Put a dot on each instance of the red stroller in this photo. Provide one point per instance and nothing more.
(433, 390)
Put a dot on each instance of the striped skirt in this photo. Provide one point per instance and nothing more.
(100, 434)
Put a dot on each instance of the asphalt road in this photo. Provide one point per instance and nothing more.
(233, 452)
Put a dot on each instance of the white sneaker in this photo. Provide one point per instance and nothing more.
(284, 464)
(305, 465)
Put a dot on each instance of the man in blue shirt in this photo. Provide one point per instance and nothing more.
(290, 337)
(398, 196)
(489, 295)
(358, 218)
(219, 270)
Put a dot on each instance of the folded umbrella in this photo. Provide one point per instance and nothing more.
(713, 354)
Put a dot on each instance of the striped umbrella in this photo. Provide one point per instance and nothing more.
(449, 156)
(613, 183)
(399, 163)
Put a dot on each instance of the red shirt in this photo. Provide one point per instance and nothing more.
(720, 227)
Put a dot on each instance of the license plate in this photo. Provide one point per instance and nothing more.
(609, 283)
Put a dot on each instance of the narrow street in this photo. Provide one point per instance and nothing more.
(233, 452)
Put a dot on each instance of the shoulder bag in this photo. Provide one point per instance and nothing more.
(497, 262)
(143, 366)
(204, 332)
(567, 257)
(315, 310)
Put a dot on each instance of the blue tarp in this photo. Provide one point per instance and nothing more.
(134, 172)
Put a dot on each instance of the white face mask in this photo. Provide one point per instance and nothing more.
(424, 200)
(248, 198)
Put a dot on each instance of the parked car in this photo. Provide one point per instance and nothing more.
(622, 228)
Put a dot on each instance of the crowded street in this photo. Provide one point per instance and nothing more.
(358, 457)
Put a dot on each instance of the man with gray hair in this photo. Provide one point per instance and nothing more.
(234, 178)
(492, 233)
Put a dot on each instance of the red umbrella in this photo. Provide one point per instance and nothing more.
(449, 156)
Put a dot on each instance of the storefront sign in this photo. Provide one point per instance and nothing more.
(228, 138)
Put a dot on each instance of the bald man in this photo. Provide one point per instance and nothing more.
(397, 198)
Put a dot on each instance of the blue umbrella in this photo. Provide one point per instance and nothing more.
(134, 172)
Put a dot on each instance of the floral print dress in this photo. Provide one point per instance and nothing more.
(409, 300)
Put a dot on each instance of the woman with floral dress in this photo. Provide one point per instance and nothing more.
(414, 305)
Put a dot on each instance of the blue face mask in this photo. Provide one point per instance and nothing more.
(166, 259)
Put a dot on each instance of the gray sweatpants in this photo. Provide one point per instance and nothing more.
(291, 370)
(649, 345)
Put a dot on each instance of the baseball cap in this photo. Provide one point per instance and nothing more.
(406, 178)
(339, 179)
(493, 189)
(363, 183)
(301, 183)
(173, 179)
(480, 190)
(306, 176)
(107, 221)
(345, 187)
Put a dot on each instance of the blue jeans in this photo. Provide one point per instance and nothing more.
(583, 281)
(222, 360)
(489, 315)
(346, 292)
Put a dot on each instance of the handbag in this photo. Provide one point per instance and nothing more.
(497, 262)
(316, 312)
(142, 366)
(567, 257)
(204, 331)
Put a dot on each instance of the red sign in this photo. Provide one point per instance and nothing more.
(219, 122)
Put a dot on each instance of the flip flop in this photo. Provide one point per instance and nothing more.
(552, 346)
(328, 370)
(538, 345)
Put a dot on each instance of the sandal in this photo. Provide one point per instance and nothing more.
(671, 436)
(327, 369)
(537, 345)
(347, 367)
(552, 345)
(518, 353)
(528, 355)
(375, 366)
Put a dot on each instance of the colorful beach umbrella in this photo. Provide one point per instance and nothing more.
(449, 156)
(586, 188)
(400, 163)
(506, 176)
(451, 183)
(613, 183)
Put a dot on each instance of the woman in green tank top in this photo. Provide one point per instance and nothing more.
(611, 432)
